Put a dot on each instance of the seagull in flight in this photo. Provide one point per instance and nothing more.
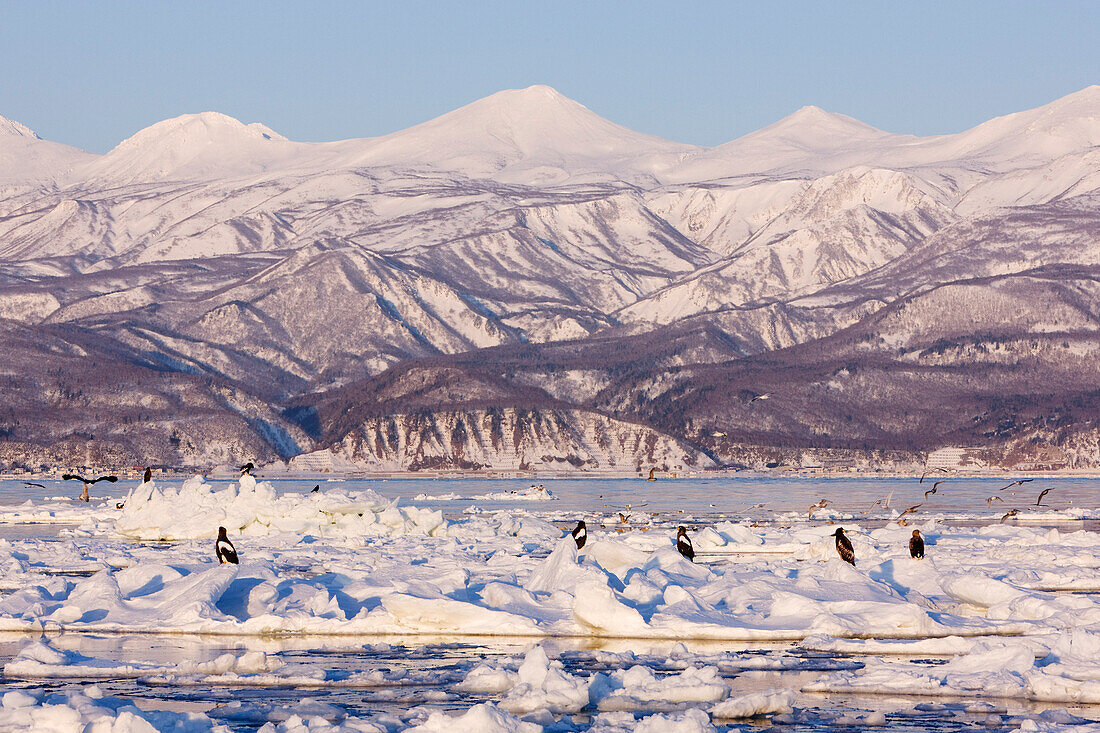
(933, 489)
(1012, 513)
(1041, 495)
(923, 475)
(877, 503)
(1016, 483)
(989, 501)
(901, 517)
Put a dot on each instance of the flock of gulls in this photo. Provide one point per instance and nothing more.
(226, 553)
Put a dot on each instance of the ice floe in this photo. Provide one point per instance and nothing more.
(253, 507)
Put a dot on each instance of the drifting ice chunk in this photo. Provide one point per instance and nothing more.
(543, 684)
(758, 703)
(483, 718)
(196, 510)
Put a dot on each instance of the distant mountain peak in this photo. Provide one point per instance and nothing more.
(192, 145)
(809, 111)
(16, 129)
(813, 124)
(534, 91)
(536, 127)
(198, 129)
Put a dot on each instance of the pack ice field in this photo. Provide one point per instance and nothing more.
(468, 605)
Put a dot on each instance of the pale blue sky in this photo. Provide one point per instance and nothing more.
(91, 73)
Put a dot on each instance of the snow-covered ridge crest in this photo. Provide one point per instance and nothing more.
(13, 128)
(193, 146)
(27, 158)
(195, 128)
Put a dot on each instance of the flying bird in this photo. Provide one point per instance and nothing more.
(580, 534)
(883, 502)
(989, 501)
(916, 545)
(910, 510)
(922, 476)
(97, 479)
(933, 489)
(87, 482)
(1012, 513)
(224, 549)
(28, 483)
(683, 544)
(844, 546)
(246, 469)
(1041, 495)
(764, 396)
(1016, 483)
(814, 507)
(651, 476)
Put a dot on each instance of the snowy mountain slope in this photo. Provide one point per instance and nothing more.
(1016, 240)
(1020, 140)
(836, 228)
(527, 440)
(1065, 177)
(723, 217)
(994, 363)
(324, 310)
(221, 251)
(26, 159)
(73, 406)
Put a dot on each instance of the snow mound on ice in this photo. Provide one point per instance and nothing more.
(993, 669)
(89, 710)
(638, 687)
(689, 721)
(196, 510)
(533, 493)
(40, 660)
(757, 703)
(484, 718)
(542, 684)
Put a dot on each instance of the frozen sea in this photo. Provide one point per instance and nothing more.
(461, 604)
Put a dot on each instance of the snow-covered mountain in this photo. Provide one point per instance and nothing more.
(26, 159)
(207, 247)
(192, 147)
(533, 136)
